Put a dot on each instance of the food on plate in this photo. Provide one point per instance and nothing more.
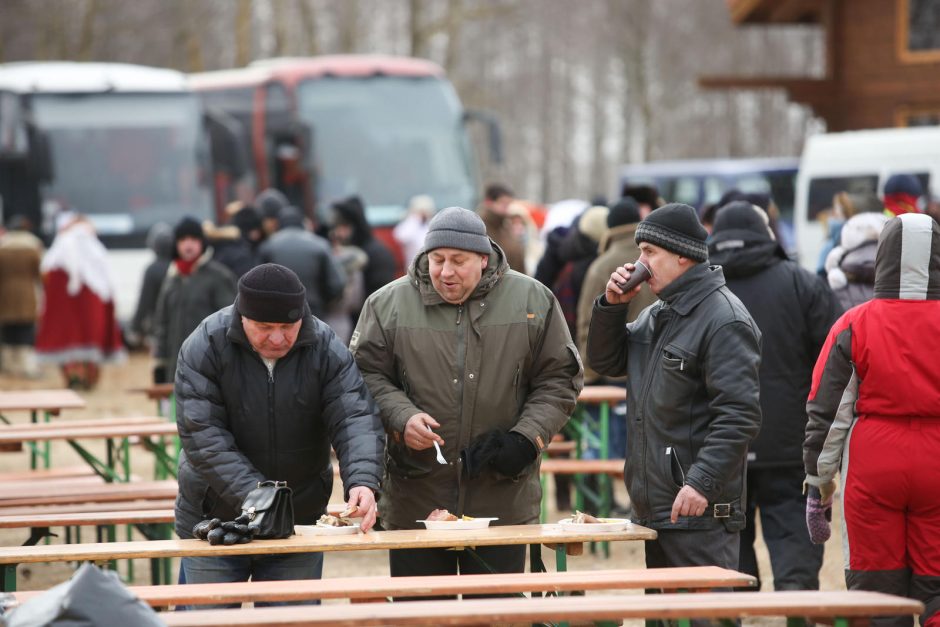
(581, 518)
(440, 514)
(334, 521)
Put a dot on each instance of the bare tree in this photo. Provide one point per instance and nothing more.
(308, 20)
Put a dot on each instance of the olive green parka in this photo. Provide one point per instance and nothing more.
(501, 360)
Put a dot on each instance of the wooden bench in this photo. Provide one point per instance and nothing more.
(383, 587)
(118, 433)
(839, 605)
(93, 493)
(46, 474)
(613, 467)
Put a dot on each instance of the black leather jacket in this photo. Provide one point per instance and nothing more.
(693, 396)
(239, 425)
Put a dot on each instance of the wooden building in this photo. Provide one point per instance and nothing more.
(882, 60)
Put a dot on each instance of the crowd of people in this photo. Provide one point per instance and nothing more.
(750, 383)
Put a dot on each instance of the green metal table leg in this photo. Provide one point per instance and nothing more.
(105, 471)
(9, 577)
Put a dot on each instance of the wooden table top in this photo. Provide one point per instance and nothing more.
(374, 540)
(595, 394)
(40, 400)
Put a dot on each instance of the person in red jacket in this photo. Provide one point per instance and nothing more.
(874, 417)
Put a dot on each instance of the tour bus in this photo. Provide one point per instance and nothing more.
(323, 128)
(699, 182)
(125, 145)
(858, 162)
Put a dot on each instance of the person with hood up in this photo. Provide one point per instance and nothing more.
(874, 418)
(850, 266)
(465, 353)
(78, 330)
(795, 310)
(160, 241)
(194, 287)
(350, 228)
(309, 256)
(269, 203)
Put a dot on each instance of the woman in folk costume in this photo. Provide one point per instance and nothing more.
(78, 329)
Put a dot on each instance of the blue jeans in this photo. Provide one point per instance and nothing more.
(233, 568)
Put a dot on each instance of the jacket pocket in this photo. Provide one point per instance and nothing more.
(404, 463)
(674, 469)
(678, 359)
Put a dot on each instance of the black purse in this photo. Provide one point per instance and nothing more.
(270, 508)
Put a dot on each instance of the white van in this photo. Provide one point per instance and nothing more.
(859, 162)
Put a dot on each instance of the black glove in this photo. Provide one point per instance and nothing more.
(515, 453)
(159, 374)
(482, 451)
(230, 532)
(507, 452)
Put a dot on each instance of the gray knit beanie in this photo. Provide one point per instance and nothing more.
(676, 228)
(460, 228)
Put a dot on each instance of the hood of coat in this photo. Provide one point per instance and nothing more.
(420, 275)
(742, 242)
(907, 264)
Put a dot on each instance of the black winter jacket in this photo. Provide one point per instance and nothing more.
(794, 309)
(238, 425)
(693, 398)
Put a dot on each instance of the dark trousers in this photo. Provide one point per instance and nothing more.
(424, 562)
(776, 494)
(706, 547)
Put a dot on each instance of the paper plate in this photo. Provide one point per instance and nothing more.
(476, 523)
(326, 530)
(606, 524)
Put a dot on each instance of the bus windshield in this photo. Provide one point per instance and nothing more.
(387, 139)
(127, 161)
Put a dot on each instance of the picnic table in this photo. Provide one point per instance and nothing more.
(533, 535)
(50, 402)
(588, 432)
(117, 433)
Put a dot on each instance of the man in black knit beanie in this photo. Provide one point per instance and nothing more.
(263, 389)
(691, 360)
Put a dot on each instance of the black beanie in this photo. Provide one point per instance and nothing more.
(675, 227)
(626, 211)
(271, 293)
(188, 227)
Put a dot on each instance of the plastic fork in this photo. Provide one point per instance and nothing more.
(437, 447)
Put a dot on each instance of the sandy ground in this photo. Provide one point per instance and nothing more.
(113, 398)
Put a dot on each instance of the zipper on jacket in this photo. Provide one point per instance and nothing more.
(460, 374)
(641, 401)
(272, 426)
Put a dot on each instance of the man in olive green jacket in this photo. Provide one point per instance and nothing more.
(475, 357)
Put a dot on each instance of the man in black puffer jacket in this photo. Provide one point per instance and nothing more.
(263, 389)
(794, 309)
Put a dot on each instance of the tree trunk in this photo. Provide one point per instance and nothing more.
(86, 39)
(280, 30)
(308, 18)
(348, 26)
(243, 39)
